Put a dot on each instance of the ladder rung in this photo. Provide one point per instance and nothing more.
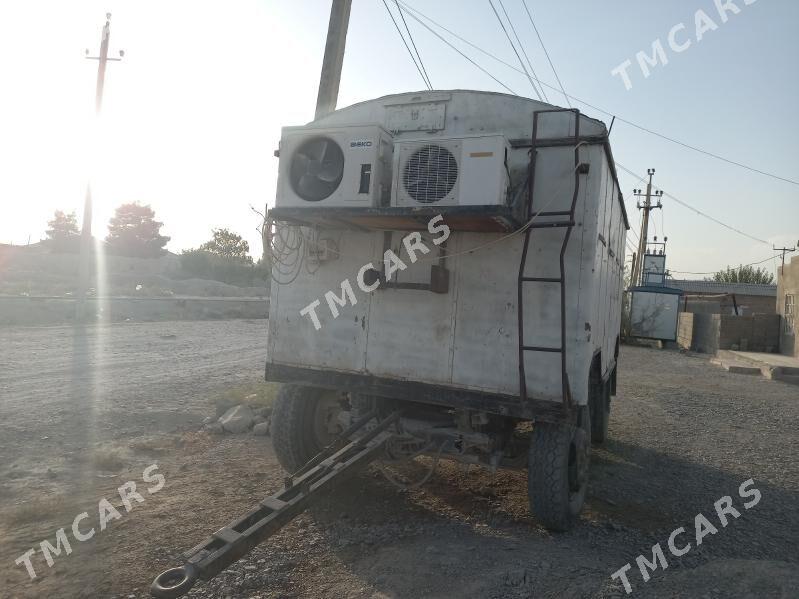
(273, 503)
(538, 348)
(542, 280)
(568, 223)
(228, 535)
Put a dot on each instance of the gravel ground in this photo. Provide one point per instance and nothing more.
(683, 434)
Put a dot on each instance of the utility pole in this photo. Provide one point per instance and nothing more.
(334, 57)
(86, 225)
(784, 251)
(647, 207)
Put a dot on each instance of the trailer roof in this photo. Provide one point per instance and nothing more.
(594, 130)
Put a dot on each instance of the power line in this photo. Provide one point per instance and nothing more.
(390, 14)
(510, 41)
(685, 204)
(439, 36)
(699, 212)
(410, 36)
(685, 272)
(541, 41)
(521, 45)
(412, 10)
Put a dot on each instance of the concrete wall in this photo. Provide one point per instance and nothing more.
(708, 333)
(759, 333)
(33, 311)
(685, 330)
(788, 283)
(747, 305)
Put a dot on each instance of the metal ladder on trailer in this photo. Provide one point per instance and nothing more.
(565, 219)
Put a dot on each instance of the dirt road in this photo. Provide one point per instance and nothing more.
(682, 435)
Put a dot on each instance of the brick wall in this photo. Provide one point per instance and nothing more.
(747, 305)
(760, 333)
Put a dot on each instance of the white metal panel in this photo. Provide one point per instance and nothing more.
(654, 315)
(340, 343)
(428, 116)
(484, 178)
(410, 331)
(486, 332)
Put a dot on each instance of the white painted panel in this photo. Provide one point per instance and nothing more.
(486, 338)
(654, 315)
(340, 343)
(409, 335)
(429, 116)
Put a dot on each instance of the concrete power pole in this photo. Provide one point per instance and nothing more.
(334, 57)
(86, 225)
(647, 207)
(784, 251)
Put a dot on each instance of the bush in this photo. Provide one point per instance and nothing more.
(233, 271)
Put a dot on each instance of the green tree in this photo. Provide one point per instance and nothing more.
(133, 231)
(744, 274)
(63, 233)
(228, 244)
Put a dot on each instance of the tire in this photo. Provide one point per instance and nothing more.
(557, 475)
(600, 413)
(303, 423)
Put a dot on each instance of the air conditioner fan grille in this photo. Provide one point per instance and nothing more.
(430, 174)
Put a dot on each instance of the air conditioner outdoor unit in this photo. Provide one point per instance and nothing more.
(334, 167)
(464, 171)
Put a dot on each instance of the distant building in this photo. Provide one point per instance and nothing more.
(787, 300)
(713, 297)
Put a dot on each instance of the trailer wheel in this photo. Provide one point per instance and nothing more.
(557, 471)
(600, 413)
(304, 422)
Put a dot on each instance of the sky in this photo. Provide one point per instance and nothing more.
(192, 114)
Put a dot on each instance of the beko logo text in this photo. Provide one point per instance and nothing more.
(361, 143)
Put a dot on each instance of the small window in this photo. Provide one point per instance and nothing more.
(790, 313)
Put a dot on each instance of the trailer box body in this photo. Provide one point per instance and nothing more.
(465, 341)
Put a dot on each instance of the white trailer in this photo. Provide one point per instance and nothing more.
(511, 317)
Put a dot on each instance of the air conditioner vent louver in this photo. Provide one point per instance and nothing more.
(430, 174)
(317, 168)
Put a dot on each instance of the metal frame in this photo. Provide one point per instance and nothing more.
(459, 218)
(337, 462)
(568, 224)
(542, 409)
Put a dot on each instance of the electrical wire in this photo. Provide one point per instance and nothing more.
(411, 10)
(541, 41)
(510, 41)
(413, 43)
(521, 46)
(699, 212)
(410, 53)
(686, 272)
